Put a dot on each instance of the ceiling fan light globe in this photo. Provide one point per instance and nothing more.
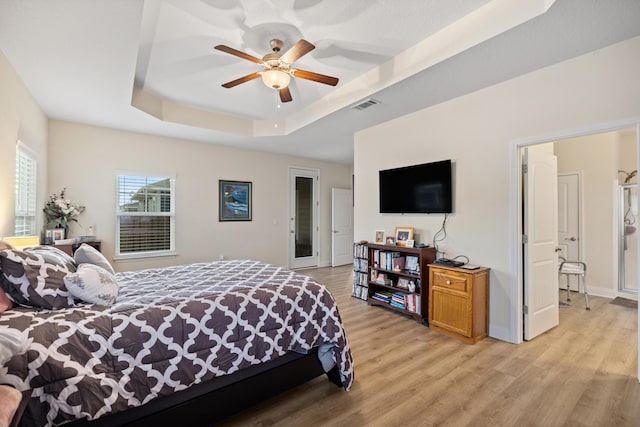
(276, 79)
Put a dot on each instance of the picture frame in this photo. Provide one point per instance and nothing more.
(403, 234)
(390, 241)
(409, 243)
(403, 283)
(380, 236)
(57, 234)
(411, 263)
(234, 202)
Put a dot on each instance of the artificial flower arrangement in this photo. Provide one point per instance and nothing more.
(61, 211)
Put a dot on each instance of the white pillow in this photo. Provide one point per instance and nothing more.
(92, 284)
(88, 254)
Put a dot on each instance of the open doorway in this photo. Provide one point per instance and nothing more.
(601, 162)
(597, 154)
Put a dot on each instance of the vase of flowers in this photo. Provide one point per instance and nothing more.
(60, 211)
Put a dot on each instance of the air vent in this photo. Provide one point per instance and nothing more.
(366, 104)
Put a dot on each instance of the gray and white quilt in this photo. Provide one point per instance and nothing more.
(169, 329)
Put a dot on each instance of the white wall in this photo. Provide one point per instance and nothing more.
(597, 157)
(478, 132)
(20, 118)
(86, 159)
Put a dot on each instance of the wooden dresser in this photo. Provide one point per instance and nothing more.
(459, 302)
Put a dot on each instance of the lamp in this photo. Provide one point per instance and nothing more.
(276, 79)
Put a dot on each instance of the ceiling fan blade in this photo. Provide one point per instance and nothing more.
(285, 95)
(244, 79)
(297, 51)
(237, 53)
(320, 78)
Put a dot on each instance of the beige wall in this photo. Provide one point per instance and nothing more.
(20, 118)
(86, 159)
(479, 132)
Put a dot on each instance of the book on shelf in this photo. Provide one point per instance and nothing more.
(360, 292)
(382, 296)
(360, 250)
(398, 300)
(360, 264)
(412, 302)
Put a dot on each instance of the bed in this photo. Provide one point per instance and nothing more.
(199, 340)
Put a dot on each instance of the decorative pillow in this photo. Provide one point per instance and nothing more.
(35, 278)
(58, 253)
(93, 284)
(90, 255)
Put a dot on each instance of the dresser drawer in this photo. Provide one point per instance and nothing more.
(450, 280)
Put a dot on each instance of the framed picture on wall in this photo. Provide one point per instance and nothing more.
(380, 236)
(235, 201)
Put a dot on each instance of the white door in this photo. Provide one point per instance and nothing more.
(303, 217)
(341, 226)
(541, 311)
(569, 221)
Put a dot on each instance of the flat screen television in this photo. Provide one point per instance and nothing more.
(424, 188)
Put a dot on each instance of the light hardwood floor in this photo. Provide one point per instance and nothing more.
(581, 373)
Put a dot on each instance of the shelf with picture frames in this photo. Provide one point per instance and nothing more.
(398, 278)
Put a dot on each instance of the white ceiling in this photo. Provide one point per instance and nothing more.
(91, 61)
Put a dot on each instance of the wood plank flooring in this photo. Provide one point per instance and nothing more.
(581, 373)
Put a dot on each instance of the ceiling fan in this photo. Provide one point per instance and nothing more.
(277, 67)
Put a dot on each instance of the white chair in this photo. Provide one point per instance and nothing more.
(578, 269)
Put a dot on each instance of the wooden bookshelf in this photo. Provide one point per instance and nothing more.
(381, 261)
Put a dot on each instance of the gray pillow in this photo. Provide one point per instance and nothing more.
(90, 255)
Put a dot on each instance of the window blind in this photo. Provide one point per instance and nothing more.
(146, 217)
(26, 181)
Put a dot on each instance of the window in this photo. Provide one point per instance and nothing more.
(146, 216)
(26, 180)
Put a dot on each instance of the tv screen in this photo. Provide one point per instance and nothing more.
(424, 188)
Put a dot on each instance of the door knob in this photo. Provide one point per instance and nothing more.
(558, 249)
(571, 239)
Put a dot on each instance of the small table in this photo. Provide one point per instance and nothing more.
(70, 248)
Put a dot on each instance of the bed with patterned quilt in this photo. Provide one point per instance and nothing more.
(164, 331)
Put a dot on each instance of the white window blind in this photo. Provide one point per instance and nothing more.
(146, 216)
(26, 181)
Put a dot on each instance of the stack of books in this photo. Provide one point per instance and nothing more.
(382, 296)
(398, 300)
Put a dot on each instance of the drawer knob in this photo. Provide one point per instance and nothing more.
(448, 282)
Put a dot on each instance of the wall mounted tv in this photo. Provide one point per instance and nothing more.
(424, 188)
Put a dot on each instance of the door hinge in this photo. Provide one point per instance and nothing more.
(525, 309)
(525, 239)
(525, 168)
